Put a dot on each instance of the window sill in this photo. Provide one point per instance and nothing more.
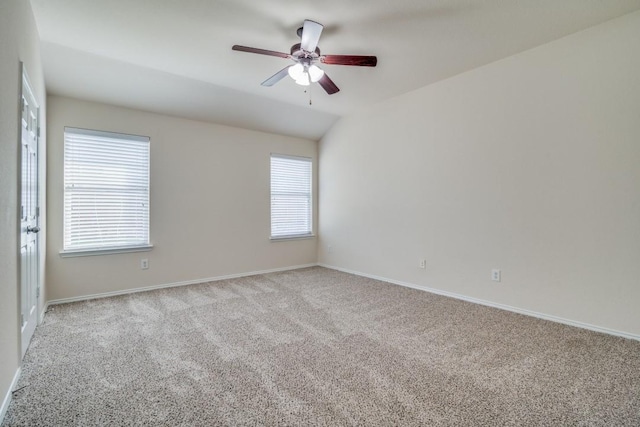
(295, 237)
(105, 251)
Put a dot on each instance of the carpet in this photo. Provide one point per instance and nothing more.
(317, 347)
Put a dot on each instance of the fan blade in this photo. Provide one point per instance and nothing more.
(310, 35)
(260, 51)
(362, 61)
(276, 77)
(328, 84)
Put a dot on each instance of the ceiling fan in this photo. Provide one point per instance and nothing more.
(306, 55)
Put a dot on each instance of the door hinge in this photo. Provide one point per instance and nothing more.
(38, 131)
(38, 292)
(38, 211)
(22, 211)
(22, 319)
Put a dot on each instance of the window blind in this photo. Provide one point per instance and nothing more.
(291, 203)
(106, 190)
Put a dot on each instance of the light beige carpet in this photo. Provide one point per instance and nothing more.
(318, 347)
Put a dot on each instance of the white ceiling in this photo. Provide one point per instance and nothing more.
(174, 56)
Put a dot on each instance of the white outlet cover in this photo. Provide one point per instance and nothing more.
(495, 275)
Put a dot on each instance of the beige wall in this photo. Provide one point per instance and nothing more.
(530, 165)
(209, 202)
(18, 42)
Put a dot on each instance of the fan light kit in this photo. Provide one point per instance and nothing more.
(305, 75)
(305, 55)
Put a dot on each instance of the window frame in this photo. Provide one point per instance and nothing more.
(106, 249)
(295, 236)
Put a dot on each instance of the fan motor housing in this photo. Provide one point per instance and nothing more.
(297, 52)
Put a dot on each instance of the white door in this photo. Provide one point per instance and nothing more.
(30, 212)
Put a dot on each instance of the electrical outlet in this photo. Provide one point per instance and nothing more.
(329, 249)
(423, 263)
(495, 275)
(144, 264)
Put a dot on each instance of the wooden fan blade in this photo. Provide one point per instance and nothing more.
(357, 60)
(311, 31)
(260, 51)
(276, 77)
(328, 84)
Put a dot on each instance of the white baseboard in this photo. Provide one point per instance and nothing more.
(172, 285)
(7, 398)
(43, 312)
(493, 304)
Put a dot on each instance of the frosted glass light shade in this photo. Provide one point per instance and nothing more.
(296, 71)
(303, 80)
(315, 73)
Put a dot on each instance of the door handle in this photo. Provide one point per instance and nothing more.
(33, 229)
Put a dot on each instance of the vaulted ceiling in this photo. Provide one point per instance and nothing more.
(174, 56)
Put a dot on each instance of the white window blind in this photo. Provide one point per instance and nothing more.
(106, 190)
(291, 213)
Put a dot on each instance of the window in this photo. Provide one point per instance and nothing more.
(290, 197)
(106, 191)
